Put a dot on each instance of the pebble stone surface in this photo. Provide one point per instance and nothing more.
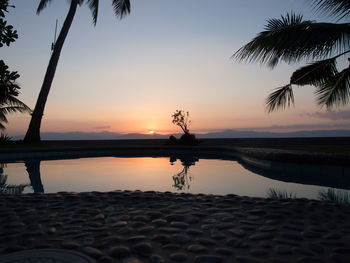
(135, 227)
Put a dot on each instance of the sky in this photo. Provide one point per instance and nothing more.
(130, 75)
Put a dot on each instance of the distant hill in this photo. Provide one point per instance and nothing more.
(94, 136)
(223, 134)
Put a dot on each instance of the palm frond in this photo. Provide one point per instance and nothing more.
(13, 109)
(3, 118)
(335, 92)
(121, 8)
(93, 5)
(4, 138)
(315, 74)
(279, 24)
(280, 98)
(4, 110)
(334, 8)
(13, 101)
(3, 113)
(42, 5)
(290, 39)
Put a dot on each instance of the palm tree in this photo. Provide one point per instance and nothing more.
(8, 85)
(8, 93)
(121, 8)
(292, 39)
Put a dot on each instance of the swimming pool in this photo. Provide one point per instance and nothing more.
(175, 172)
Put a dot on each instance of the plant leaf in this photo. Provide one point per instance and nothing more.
(280, 98)
(334, 8)
(42, 5)
(93, 5)
(315, 74)
(121, 7)
(290, 39)
(335, 92)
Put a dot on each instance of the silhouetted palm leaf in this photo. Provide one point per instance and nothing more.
(315, 74)
(336, 91)
(4, 138)
(12, 109)
(4, 110)
(93, 5)
(42, 5)
(121, 7)
(291, 39)
(336, 8)
(280, 98)
(14, 102)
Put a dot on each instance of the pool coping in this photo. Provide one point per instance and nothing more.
(294, 156)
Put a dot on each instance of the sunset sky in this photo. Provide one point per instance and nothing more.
(130, 75)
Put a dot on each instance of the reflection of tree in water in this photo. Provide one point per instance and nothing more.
(182, 179)
(9, 188)
(33, 169)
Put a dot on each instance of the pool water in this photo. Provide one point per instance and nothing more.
(187, 174)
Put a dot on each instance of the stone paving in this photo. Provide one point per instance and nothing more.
(134, 227)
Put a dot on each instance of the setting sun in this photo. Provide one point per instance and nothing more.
(151, 132)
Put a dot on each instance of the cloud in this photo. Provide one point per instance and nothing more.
(331, 115)
(105, 127)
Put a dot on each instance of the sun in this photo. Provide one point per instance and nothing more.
(151, 132)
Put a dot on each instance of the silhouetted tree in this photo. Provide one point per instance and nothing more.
(292, 39)
(181, 119)
(121, 8)
(8, 86)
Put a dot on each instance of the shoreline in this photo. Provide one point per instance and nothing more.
(125, 226)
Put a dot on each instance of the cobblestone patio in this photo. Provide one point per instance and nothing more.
(165, 227)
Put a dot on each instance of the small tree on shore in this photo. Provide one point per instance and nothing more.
(182, 119)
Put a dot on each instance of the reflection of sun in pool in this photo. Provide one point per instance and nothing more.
(151, 132)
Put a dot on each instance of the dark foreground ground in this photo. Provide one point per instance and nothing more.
(164, 227)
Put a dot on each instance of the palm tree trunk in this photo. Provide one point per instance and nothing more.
(33, 132)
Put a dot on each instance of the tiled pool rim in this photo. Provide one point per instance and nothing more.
(214, 152)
